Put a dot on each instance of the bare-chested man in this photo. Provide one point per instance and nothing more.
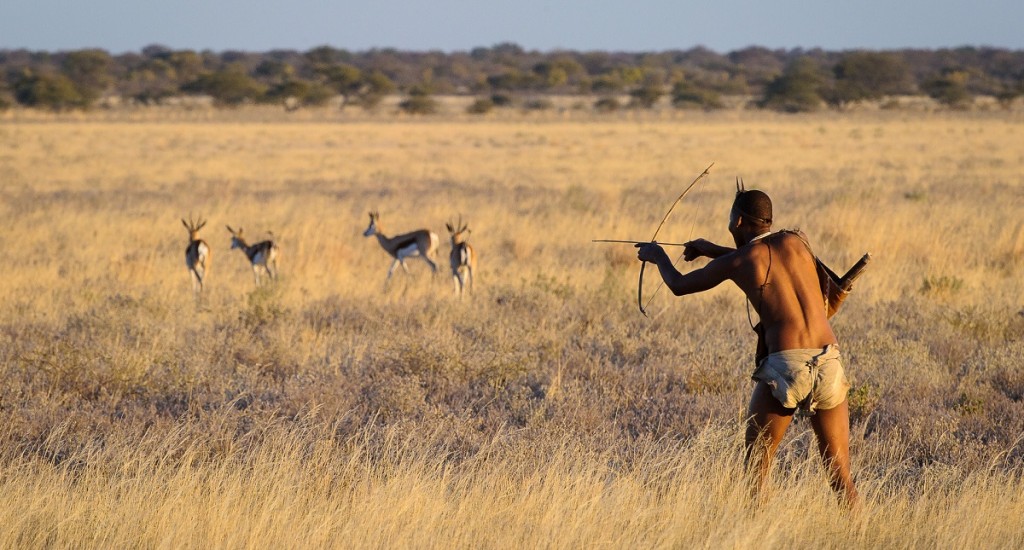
(798, 356)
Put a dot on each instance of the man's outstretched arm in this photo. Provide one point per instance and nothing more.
(701, 247)
(698, 280)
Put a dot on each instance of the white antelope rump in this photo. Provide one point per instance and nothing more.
(462, 258)
(421, 243)
(262, 255)
(197, 253)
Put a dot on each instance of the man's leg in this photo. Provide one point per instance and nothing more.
(832, 429)
(767, 421)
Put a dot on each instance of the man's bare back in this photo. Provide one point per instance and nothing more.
(779, 277)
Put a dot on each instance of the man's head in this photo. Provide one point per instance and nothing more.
(750, 216)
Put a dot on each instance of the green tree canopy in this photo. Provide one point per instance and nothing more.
(48, 91)
(229, 86)
(797, 89)
(949, 88)
(89, 70)
(687, 95)
(868, 76)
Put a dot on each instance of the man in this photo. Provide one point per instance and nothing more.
(798, 357)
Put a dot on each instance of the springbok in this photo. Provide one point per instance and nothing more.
(462, 257)
(421, 243)
(261, 255)
(197, 253)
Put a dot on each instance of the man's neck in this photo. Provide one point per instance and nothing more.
(757, 238)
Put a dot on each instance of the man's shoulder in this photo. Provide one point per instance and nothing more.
(793, 238)
(791, 234)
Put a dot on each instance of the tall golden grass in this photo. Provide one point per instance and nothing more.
(541, 411)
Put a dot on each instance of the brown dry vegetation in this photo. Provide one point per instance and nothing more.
(544, 411)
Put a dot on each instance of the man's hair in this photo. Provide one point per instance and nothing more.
(755, 206)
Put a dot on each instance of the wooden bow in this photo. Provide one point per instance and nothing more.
(643, 265)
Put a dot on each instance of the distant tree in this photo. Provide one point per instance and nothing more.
(6, 102)
(157, 51)
(559, 72)
(47, 91)
(230, 86)
(647, 96)
(273, 71)
(797, 89)
(552, 76)
(863, 76)
(758, 65)
(151, 81)
(378, 85)
(515, 80)
(188, 65)
(89, 70)
(538, 104)
(346, 80)
(501, 100)
(420, 101)
(326, 55)
(687, 95)
(949, 88)
(1009, 94)
(480, 106)
(607, 105)
(607, 83)
(301, 92)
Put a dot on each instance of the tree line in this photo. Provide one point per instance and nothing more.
(506, 74)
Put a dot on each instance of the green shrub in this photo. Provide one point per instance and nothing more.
(686, 95)
(538, 104)
(230, 86)
(419, 105)
(480, 106)
(949, 89)
(55, 92)
(501, 100)
(869, 76)
(306, 93)
(647, 96)
(797, 89)
(607, 105)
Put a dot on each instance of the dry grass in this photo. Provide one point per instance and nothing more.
(543, 411)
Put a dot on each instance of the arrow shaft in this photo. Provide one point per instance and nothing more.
(633, 242)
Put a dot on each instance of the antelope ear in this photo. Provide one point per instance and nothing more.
(185, 224)
(202, 224)
(229, 229)
(449, 226)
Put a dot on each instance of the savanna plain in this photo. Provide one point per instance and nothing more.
(541, 410)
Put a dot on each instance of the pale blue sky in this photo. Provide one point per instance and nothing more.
(459, 25)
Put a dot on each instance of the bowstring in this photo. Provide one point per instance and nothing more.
(693, 224)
